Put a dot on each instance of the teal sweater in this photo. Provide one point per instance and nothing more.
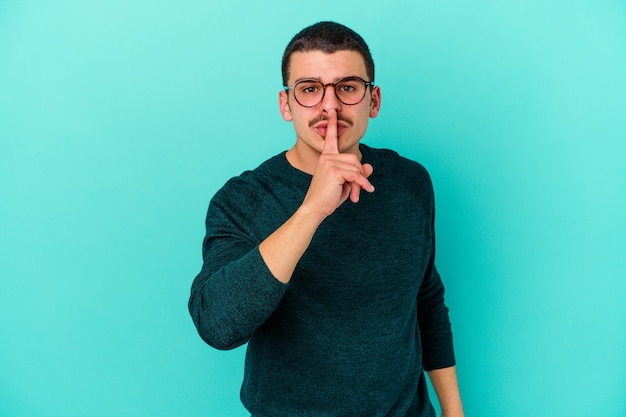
(363, 315)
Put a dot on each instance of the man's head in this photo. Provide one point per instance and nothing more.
(327, 37)
(327, 68)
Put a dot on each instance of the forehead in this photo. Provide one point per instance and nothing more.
(326, 67)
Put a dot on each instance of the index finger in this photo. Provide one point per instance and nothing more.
(330, 140)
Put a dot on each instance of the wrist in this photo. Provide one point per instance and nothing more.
(309, 215)
(452, 411)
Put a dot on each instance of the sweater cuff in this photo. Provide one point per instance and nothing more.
(438, 352)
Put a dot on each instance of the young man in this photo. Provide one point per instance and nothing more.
(340, 301)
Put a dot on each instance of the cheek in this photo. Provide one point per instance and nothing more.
(301, 119)
(299, 122)
(361, 120)
(301, 126)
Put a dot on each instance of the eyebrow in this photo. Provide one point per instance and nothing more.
(320, 80)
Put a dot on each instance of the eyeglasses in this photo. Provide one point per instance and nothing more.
(310, 92)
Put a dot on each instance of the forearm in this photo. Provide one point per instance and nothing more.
(446, 387)
(282, 250)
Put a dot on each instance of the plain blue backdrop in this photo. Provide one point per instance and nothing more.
(120, 119)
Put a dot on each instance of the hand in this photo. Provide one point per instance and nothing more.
(337, 175)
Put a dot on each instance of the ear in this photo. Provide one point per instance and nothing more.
(375, 102)
(283, 104)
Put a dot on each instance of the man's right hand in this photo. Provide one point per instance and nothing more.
(337, 175)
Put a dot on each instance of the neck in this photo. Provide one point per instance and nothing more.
(304, 158)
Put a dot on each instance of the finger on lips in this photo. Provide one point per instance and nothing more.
(330, 140)
(353, 172)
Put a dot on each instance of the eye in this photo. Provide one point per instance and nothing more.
(349, 86)
(308, 88)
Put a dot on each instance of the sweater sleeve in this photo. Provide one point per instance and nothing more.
(235, 292)
(434, 324)
(433, 319)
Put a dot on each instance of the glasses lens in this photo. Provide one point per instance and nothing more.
(350, 90)
(308, 92)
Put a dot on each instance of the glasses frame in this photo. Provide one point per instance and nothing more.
(334, 85)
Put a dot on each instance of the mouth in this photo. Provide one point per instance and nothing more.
(322, 127)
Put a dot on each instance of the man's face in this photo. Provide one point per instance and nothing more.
(309, 123)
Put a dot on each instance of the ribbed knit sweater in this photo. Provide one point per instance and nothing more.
(363, 315)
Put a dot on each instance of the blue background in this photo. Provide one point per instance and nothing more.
(120, 119)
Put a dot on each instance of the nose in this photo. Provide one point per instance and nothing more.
(330, 100)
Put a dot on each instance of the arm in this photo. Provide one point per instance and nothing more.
(242, 281)
(446, 387)
(436, 336)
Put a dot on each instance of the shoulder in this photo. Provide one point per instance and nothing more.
(389, 165)
(243, 198)
(255, 202)
(265, 192)
(251, 184)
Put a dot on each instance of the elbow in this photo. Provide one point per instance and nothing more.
(220, 338)
(214, 330)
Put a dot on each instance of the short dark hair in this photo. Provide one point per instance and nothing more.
(327, 37)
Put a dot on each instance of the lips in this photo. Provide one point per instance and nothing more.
(322, 127)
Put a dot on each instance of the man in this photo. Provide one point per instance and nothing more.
(340, 302)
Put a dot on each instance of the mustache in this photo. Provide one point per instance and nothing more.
(323, 117)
